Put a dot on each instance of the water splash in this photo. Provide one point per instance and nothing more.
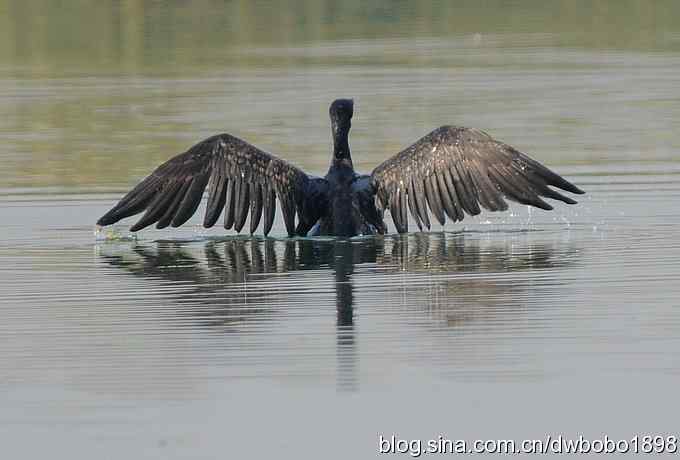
(112, 234)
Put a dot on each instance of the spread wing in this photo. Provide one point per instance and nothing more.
(240, 179)
(454, 170)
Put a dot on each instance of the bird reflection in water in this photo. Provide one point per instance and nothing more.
(224, 284)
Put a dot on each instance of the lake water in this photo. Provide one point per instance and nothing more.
(191, 343)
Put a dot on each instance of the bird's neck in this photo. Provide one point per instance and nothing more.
(341, 153)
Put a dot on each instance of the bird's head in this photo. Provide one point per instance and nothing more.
(341, 112)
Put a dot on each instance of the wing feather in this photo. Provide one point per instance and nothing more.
(413, 207)
(159, 205)
(455, 171)
(433, 198)
(269, 209)
(166, 219)
(418, 192)
(217, 197)
(315, 205)
(449, 199)
(229, 204)
(397, 211)
(191, 200)
(234, 172)
(255, 206)
(242, 203)
(368, 203)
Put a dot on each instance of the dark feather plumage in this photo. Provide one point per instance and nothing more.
(458, 169)
(235, 171)
(255, 206)
(451, 172)
(229, 204)
(366, 202)
(269, 209)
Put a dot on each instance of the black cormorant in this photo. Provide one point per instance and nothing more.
(452, 170)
